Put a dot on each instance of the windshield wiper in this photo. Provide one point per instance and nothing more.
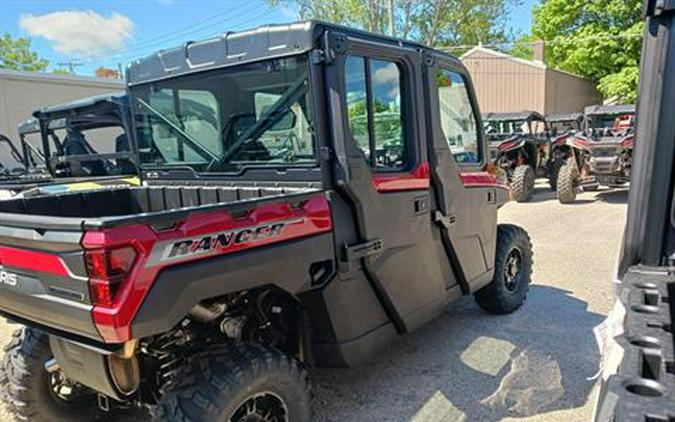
(272, 117)
(199, 148)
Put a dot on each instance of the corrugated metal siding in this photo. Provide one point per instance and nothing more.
(568, 93)
(504, 85)
(21, 93)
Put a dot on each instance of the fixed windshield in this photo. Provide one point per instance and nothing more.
(611, 125)
(224, 120)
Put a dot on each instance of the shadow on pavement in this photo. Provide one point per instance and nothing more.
(468, 365)
(614, 196)
(543, 193)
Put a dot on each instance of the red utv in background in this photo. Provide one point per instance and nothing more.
(519, 146)
(562, 126)
(601, 154)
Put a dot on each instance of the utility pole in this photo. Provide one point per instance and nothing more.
(391, 18)
(71, 65)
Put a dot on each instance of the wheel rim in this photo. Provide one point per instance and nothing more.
(261, 407)
(513, 269)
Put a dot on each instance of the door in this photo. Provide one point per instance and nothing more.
(468, 197)
(382, 172)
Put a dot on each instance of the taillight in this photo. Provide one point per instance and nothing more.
(107, 269)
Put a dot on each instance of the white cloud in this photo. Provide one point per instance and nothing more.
(83, 34)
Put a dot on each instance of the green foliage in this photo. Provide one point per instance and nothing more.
(432, 22)
(16, 54)
(61, 71)
(523, 47)
(622, 85)
(599, 39)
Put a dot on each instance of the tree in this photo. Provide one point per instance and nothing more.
(432, 22)
(599, 39)
(16, 54)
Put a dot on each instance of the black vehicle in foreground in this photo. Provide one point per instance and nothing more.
(273, 234)
(638, 380)
(519, 146)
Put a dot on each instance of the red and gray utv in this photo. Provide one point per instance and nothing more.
(562, 127)
(519, 147)
(601, 154)
(334, 197)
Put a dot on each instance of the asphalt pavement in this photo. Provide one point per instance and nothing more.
(534, 365)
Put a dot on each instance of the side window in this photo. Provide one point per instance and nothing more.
(373, 91)
(457, 118)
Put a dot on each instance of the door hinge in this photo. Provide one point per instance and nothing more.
(363, 250)
(443, 220)
(318, 56)
(325, 153)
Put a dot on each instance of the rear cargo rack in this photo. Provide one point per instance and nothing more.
(644, 387)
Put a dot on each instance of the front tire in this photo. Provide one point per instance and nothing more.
(238, 383)
(568, 179)
(29, 389)
(513, 270)
(522, 183)
(553, 172)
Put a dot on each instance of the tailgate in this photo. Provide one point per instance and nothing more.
(43, 279)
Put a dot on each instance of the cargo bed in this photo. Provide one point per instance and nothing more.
(132, 205)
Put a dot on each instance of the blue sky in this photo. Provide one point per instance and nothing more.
(107, 32)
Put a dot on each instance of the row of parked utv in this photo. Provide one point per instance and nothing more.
(75, 146)
(574, 151)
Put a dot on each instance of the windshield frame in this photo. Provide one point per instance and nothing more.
(251, 168)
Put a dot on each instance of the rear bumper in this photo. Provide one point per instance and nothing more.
(42, 310)
(638, 382)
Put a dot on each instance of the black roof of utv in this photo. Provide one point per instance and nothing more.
(603, 110)
(511, 117)
(233, 48)
(565, 117)
(98, 106)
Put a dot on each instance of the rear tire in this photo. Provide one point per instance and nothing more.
(553, 172)
(237, 381)
(513, 270)
(27, 389)
(568, 179)
(522, 183)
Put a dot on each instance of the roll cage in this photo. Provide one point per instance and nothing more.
(71, 154)
(513, 123)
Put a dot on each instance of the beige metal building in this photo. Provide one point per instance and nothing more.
(508, 84)
(23, 92)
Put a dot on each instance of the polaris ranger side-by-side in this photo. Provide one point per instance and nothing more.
(601, 154)
(314, 214)
(78, 145)
(519, 146)
(638, 380)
